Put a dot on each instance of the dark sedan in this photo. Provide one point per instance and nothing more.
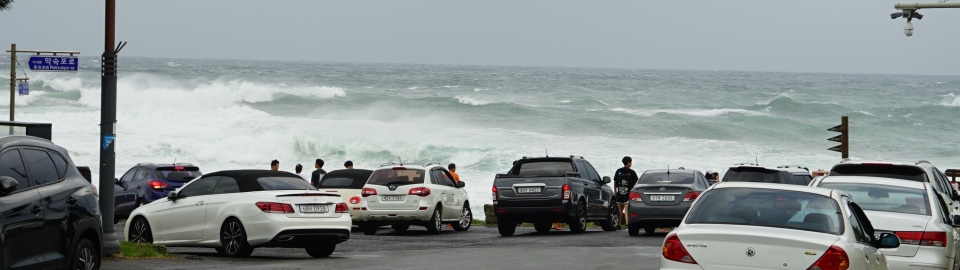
(662, 197)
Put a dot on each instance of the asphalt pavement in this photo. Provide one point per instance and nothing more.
(481, 247)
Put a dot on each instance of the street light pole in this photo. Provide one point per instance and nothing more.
(13, 78)
(108, 119)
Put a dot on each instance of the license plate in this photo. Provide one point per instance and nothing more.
(528, 190)
(662, 198)
(314, 208)
(391, 198)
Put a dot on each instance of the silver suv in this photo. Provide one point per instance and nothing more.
(920, 171)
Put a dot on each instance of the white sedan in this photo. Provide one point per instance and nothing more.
(774, 226)
(912, 210)
(237, 211)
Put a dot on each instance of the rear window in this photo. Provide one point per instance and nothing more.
(545, 168)
(337, 182)
(179, 174)
(664, 178)
(802, 179)
(397, 177)
(759, 175)
(767, 208)
(881, 170)
(284, 183)
(885, 198)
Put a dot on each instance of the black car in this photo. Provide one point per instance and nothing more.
(662, 198)
(49, 213)
(791, 175)
(148, 182)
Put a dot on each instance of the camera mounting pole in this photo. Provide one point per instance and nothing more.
(909, 12)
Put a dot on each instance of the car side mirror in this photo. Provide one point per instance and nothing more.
(888, 240)
(172, 196)
(956, 220)
(461, 184)
(573, 174)
(7, 185)
(117, 182)
(606, 180)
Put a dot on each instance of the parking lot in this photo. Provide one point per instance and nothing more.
(481, 247)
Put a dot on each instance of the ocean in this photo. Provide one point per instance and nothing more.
(238, 114)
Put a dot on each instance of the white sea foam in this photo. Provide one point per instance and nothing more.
(950, 100)
(564, 101)
(472, 101)
(480, 89)
(701, 113)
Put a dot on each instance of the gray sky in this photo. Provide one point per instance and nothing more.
(850, 36)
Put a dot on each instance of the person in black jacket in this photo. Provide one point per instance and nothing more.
(623, 181)
(317, 174)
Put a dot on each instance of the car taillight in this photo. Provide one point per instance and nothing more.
(691, 196)
(566, 191)
(95, 191)
(635, 196)
(495, 195)
(419, 191)
(154, 184)
(910, 238)
(272, 207)
(673, 250)
(355, 199)
(932, 239)
(366, 192)
(178, 168)
(834, 259)
(342, 208)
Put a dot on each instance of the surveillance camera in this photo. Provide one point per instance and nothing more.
(908, 29)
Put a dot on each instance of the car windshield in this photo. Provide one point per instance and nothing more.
(748, 174)
(396, 176)
(769, 208)
(545, 168)
(284, 183)
(665, 178)
(180, 174)
(881, 170)
(885, 198)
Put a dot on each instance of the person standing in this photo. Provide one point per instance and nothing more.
(299, 169)
(348, 165)
(317, 173)
(624, 180)
(453, 171)
(275, 165)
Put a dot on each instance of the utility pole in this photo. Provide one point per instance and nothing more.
(108, 119)
(13, 77)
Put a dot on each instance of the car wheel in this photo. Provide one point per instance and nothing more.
(649, 230)
(613, 220)
(465, 221)
(633, 230)
(400, 228)
(506, 227)
(542, 227)
(321, 251)
(86, 256)
(140, 231)
(435, 224)
(579, 222)
(370, 228)
(233, 239)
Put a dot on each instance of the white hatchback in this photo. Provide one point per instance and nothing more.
(912, 210)
(773, 226)
(407, 194)
(237, 211)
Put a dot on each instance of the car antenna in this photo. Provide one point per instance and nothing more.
(401, 160)
(668, 168)
(547, 153)
(757, 160)
(174, 161)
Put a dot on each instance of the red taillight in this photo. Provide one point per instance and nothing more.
(366, 192)
(635, 196)
(691, 196)
(154, 184)
(495, 195)
(342, 208)
(272, 207)
(419, 191)
(566, 191)
(95, 191)
(834, 259)
(932, 239)
(355, 199)
(673, 250)
(399, 168)
(179, 168)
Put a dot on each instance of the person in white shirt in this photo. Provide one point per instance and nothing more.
(300, 173)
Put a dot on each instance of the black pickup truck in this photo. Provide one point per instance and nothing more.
(548, 190)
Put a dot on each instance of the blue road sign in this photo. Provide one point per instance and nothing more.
(54, 63)
(23, 89)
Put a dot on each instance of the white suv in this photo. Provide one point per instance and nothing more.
(404, 194)
(920, 171)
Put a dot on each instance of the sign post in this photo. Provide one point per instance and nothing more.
(42, 61)
(23, 89)
(843, 138)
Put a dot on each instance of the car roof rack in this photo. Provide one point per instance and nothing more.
(743, 164)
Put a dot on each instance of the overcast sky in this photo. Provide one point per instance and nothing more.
(850, 36)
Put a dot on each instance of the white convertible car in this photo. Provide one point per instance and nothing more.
(775, 226)
(237, 211)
